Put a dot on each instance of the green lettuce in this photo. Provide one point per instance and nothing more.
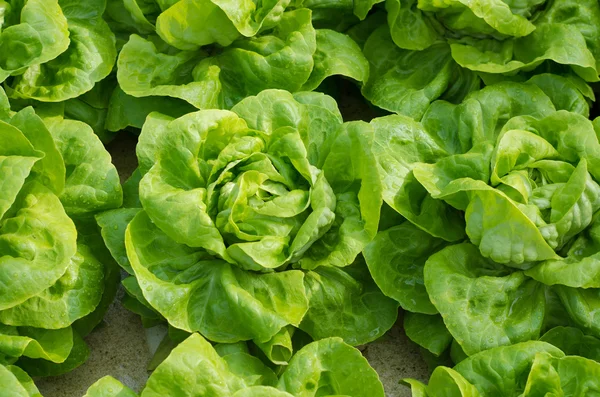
(33, 32)
(264, 209)
(432, 50)
(406, 81)
(213, 54)
(57, 277)
(56, 50)
(70, 75)
(180, 56)
(513, 170)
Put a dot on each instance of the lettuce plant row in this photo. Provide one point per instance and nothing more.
(271, 234)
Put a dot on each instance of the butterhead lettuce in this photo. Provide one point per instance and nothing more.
(213, 54)
(500, 195)
(55, 50)
(432, 50)
(57, 277)
(268, 235)
(264, 209)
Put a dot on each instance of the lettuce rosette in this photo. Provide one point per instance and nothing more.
(432, 50)
(204, 54)
(76, 54)
(57, 276)
(54, 50)
(499, 199)
(524, 369)
(250, 222)
(325, 368)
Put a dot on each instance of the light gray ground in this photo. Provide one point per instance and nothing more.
(122, 347)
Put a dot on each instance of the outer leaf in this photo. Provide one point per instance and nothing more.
(448, 382)
(261, 391)
(18, 160)
(37, 218)
(400, 189)
(585, 16)
(459, 281)
(25, 381)
(92, 183)
(51, 169)
(572, 272)
(405, 81)
(545, 43)
(128, 15)
(417, 388)
(250, 66)
(189, 24)
(346, 303)
(193, 367)
(578, 376)
(330, 367)
(427, 331)
(279, 348)
(113, 225)
(336, 54)
(11, 382)
(503, 370)
(52, 345)
(573, 342)
(583, 307)
(128, 111)
(42, 367)
(410, 28)
(145, 68)
(109, 387)
(251, 370)
(89, 235)
(396, 258)
(563, 92)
